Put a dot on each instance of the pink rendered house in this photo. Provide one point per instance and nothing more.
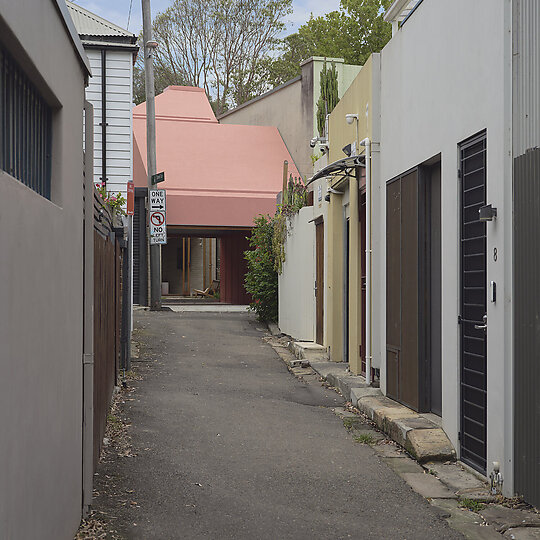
(218, 179)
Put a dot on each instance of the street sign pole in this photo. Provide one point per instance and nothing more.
(155, 249)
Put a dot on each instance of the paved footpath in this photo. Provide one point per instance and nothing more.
(229, 444)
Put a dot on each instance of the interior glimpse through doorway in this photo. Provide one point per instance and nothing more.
(188, 264)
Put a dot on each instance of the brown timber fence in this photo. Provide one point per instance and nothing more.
(107, 315)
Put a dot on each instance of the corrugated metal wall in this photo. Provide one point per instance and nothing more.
(526, 73)
(527, 325)
(526, 140)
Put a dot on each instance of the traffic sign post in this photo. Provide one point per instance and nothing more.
(157, 216)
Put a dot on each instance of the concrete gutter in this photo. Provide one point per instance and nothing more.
(420, 436)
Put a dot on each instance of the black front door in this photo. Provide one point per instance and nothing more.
(473, 317)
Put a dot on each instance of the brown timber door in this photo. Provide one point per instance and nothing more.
(319, 281)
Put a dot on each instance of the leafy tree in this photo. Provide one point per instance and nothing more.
(261, 280)
(218, 45)
(353, 33)
(329, 96)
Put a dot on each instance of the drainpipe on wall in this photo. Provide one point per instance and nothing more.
(103, 123)
(88, 313)
(369, 357)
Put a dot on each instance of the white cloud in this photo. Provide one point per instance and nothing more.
(304, 8)
(117, 11)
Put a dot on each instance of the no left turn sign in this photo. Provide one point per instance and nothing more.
(157, 218)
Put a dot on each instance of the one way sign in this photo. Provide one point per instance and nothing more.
(158, 225)
(157, 200)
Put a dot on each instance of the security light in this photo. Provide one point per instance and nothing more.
(152, 44)
(487, 213)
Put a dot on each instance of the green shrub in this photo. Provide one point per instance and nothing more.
(261, 279)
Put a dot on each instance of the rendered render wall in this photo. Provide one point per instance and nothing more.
(296, 293)
(41, 296)
(440, 84)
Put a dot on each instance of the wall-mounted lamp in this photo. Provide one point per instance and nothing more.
(487, 213)
(351, 118)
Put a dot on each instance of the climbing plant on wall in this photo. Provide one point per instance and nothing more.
(294, 198)
(329, 96)
(266, 255)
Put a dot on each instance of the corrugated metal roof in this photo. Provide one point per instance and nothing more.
(90, 24)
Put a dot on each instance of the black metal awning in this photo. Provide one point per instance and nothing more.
(342, 168)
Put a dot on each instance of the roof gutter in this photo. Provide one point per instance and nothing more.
(395, 10)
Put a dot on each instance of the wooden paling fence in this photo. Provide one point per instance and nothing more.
(107, 318)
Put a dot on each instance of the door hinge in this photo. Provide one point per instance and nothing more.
(459, 319)
(460, 174)
(459, 436)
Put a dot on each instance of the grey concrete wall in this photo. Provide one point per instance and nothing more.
(41, 295)
(440, 84)
(290, 110)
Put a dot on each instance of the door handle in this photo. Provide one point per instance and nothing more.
(482, 326)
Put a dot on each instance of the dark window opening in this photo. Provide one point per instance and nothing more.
(26, 128)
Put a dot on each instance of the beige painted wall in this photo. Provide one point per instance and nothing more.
(362, 99)
(41, 297)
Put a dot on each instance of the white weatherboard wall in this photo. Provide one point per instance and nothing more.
(446, 75)
(296, 294)
(119, 84)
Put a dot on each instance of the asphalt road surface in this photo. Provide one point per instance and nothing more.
(229, 444)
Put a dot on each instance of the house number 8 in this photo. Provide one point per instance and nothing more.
(494, 254)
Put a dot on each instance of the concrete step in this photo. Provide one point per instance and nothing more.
(420, 436)
(308, 350)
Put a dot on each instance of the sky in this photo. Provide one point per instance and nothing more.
(117, 11)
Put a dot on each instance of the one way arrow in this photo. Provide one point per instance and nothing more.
(160, 206)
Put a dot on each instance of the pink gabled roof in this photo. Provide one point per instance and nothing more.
(216, 175)
(186, 103)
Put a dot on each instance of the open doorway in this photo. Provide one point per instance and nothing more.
(189, 264)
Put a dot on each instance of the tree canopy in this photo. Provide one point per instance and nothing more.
(353, 32)
(232, 49)
(218, 45)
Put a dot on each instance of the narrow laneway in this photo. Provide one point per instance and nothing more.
(228, 444)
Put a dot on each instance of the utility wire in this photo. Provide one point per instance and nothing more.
(129, 14)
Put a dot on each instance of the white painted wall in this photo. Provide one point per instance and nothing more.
(295, 285)
(446, 75)
(119, 73)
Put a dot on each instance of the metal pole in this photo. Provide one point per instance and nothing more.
(155, 249)
(125, 357)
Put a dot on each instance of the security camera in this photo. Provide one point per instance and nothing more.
(313, 142)
(351, 118)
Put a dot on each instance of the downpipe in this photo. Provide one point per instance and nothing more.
(88, 315)
(369, 356)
